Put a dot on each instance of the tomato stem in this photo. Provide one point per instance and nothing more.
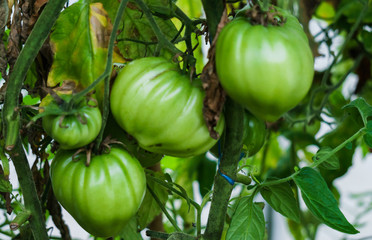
(11, 118)
(229, 164)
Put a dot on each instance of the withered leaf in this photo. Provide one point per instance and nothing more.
(215, 95)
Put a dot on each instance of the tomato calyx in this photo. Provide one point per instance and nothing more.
(258, 16)
(105, 148)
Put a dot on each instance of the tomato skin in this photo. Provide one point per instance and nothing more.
(73, 133)
(268, 70)
(161, 109)
(103, 196)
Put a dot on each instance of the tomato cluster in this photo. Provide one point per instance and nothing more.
(267, 69)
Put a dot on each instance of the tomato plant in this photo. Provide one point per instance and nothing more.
(167, 99)
(76, 128)
(103, 196)
(158, 106)
(268, 69)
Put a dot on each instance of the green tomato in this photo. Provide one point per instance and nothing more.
(76, 129)
(102, 197)
(268, 70)
(161, 108)
(254, 135)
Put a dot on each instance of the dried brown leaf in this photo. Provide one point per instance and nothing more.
(14, 40)
(214, 94)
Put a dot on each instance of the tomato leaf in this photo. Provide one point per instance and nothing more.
(331, 163)
(130, 231)
(80, 40)
(205, 175)
(368, 136)
(5, 185)
(320, 200)
(136, 38)
(363, 107)
(248, 221)
(281, 199)
(149, 208)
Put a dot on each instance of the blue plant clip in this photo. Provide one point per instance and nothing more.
(228, 179)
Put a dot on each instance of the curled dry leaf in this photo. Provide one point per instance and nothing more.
(214, 94)
(14, 40)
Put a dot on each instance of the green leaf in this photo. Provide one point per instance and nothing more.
(130, 231)
(363, 107)
(281, 199)
(5, 185)
(79, 40)
(368, 136)
(368, 139)
(149, 208)
(331, 163)
(248, 222)
(136, 38)
(320, 200)
(366, 38)
(205, 175)
(29, 100)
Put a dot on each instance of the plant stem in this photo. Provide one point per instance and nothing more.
(229, 164)
(213, 9)
(11, 116)
(171, 220)
(163, 41)
(27, 55)
(197, 206)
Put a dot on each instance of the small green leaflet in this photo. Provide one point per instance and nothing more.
(248, 222)
(5, 185)
(130, 230)
(368, 136)
(320, 200)
(332, 163)
(363, 107)
(281, 199)
(149, 208)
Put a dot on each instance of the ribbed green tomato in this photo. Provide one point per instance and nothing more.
(103, 196)
(268, 70)
(74, 130)
(161, 108)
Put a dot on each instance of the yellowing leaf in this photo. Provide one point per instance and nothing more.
(79, 41)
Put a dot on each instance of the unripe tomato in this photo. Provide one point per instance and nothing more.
(267, 69)
(159, 106)
(102, 197)
(74, 130)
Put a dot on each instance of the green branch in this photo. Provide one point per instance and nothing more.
(162, 207)
(11, 118)
(324, 86)
(179, 193)
(315, 164)
(229, 165)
